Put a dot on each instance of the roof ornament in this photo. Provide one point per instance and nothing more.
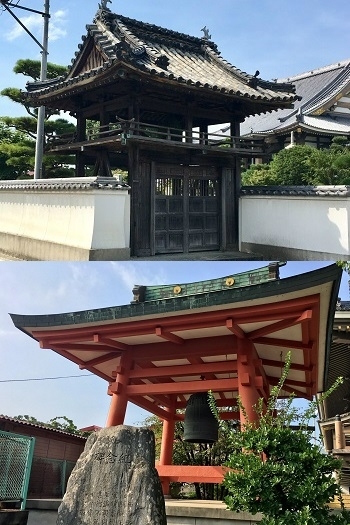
(253, 81)
(103, 4)
(206, 35)
(299, 115)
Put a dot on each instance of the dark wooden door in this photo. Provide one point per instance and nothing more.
(186, 209)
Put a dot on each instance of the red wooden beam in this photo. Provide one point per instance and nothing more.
(235, 329)
(201, 347)
(110, 342)
(192, 473)
(99, 360)
(293, 366)
(284, 343)
(168, 336)
(184, 370)
(271, 328)
(181, 387)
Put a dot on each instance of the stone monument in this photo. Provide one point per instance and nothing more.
(115, 481)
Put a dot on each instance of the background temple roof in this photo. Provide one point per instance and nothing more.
(320, 92)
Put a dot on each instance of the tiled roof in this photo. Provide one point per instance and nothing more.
(343, 306)
(315, 89)
(82, 183)
(38, 425)
(165, 54)
(298, 191)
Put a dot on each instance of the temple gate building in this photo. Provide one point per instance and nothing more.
(229, 335)
(144, 98)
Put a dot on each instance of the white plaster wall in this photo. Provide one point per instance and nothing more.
(309, 224)
(111, 221)
(94, 219)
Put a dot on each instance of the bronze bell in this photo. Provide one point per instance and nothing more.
(200, 424)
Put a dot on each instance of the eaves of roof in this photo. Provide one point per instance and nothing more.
(39, 426)
(325, 125)
(66, 184)
(179, 304)
(316, 89)
(165, 55)
(297, 191)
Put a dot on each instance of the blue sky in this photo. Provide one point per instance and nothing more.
(280, 38)
(41, 288)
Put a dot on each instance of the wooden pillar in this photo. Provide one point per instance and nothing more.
(104, 118)
(189, 122)
(80, 164)
(81, 128)
(339, 441)
(80, 137)
(247, 379)
(203, 130)
(234, 131)
(117, 409)
(166, 450)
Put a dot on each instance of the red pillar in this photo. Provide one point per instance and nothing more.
(166, 450)
(247, 390)
(117, 409)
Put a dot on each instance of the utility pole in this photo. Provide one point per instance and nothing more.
(40, 131)
(39, 146)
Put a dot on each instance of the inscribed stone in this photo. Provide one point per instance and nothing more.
(114, 481)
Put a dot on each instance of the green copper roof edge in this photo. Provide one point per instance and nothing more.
(240, 279)
(178, 304)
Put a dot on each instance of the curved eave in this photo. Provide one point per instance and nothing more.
(303, 126)
(120, 71)
(186, 320)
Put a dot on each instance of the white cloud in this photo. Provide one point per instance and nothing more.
(34, 23)
(57, 25)
(136, 273)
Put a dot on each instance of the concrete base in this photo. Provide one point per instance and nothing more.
(282, 253)
(179, 512)
(13, 517)
(194, 512)
(28, 249)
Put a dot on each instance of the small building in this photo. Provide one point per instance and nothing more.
(321, 112)
(144, 98)
(229, 335)
(55, 454)
(335, 414)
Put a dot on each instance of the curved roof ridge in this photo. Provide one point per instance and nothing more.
(215, 55)
(166, 32)
(313, 72)
(331, 89)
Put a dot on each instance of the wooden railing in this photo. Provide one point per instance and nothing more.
(145, 132)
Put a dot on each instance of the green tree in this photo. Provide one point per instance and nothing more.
(278, 471)
(11, 139)
(304, 165)
(59, 423)
(19, 154)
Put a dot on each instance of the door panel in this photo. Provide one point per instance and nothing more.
(187, 209)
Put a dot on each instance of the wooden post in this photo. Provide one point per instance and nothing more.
(339, 441)
(247, 380)
(117, 409)
(166, 451)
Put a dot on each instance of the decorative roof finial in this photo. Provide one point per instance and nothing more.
(103, 4)
(205, 30)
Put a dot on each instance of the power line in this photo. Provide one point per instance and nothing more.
(41, 378)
